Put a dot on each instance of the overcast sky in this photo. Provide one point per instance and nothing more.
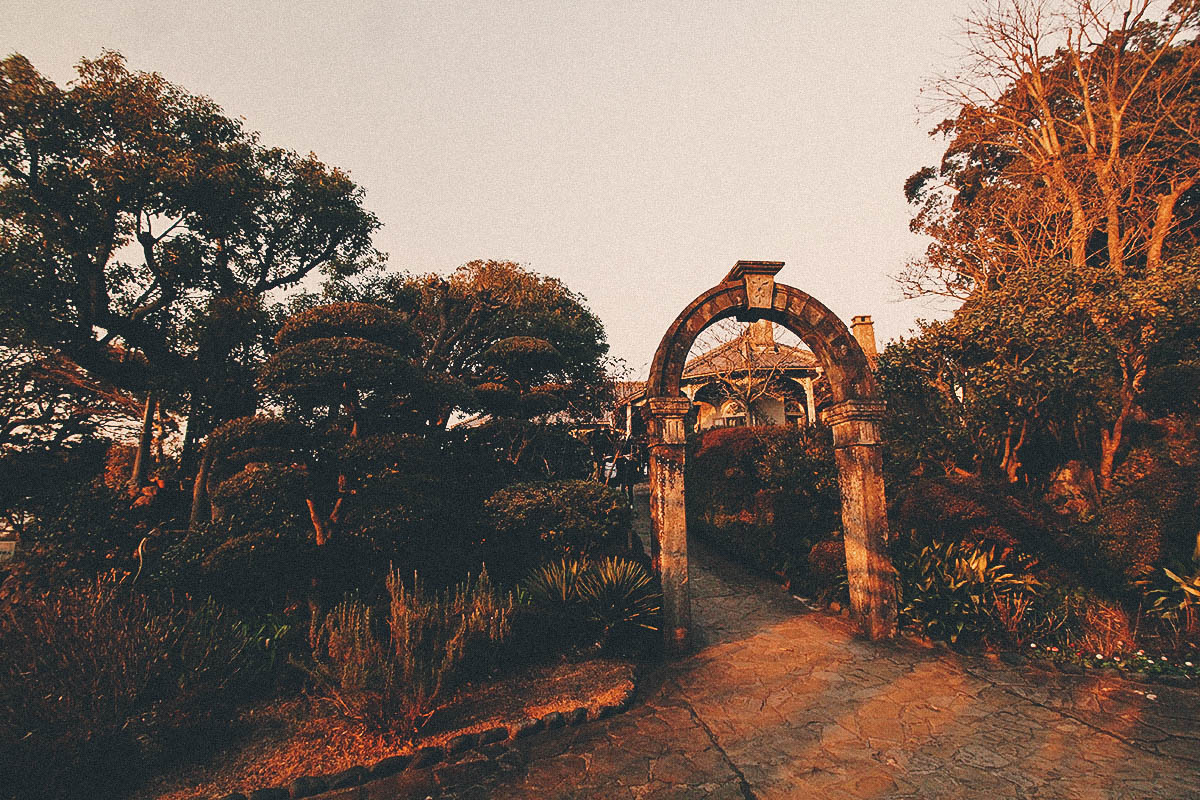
(635, 150)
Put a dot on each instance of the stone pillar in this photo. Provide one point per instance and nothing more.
(872, 577)
(668, 516)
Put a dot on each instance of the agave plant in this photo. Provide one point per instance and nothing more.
(556, 585)
(619, 596)
(594, 602)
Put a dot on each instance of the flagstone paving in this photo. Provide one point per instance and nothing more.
(780, 701)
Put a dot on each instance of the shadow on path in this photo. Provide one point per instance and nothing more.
(779, 701)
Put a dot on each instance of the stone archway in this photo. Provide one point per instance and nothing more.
(749, 293)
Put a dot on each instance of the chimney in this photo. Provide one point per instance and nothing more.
(761, 333)
(864, 333)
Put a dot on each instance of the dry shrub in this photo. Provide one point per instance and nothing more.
(88, 675)
(1103, 628)
(392, 671)
(118, 466)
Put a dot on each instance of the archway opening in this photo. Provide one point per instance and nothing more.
(749, 293)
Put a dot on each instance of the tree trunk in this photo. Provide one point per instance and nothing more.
(323, 526)
(1110, 442)
(141, 462)
(1010, 464)
(201, 503)
(160, 434)
(318, 524)
(192, 435)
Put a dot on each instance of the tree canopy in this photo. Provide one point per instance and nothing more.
(1064, 213)
(521, 344)
(131, 211)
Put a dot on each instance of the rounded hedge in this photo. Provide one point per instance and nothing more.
(357, 320)
(550, 519)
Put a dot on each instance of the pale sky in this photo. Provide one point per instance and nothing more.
(635, 150)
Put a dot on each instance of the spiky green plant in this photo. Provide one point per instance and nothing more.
(619, 596)
(556, 585)
(594, 603)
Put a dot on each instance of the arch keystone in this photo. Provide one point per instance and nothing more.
(759, 279)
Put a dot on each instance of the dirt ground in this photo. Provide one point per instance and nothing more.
(273, 743)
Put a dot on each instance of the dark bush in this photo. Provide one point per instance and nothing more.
(537, 522)
(1149, 519)
(93, 677)
(266, 569)
(967, 509)
(524, 451)
(88, 531)
(262, 496)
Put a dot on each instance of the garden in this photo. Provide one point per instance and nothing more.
(254, 506)
(285, 513)
(349, 560)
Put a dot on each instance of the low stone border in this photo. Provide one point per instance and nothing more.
(1014, 659)
(460, 759)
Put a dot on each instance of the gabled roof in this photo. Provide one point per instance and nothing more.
(728, 358)
(741, 355)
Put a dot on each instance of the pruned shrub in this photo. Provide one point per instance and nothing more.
(541, 521)
(261, 496)
(393, 668)
(359, 320)
(89, 674)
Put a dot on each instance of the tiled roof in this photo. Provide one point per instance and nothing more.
(623, 390)
(734, 357)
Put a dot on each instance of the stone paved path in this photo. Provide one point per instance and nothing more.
(782, 702)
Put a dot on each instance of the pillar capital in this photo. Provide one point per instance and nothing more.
(665, 415)
(668, 406)
(855, 422)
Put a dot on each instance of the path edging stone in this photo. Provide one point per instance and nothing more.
(403, 776)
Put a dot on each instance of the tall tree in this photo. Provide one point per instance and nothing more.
(130, 208)
(521, 344)
(1074, 139)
